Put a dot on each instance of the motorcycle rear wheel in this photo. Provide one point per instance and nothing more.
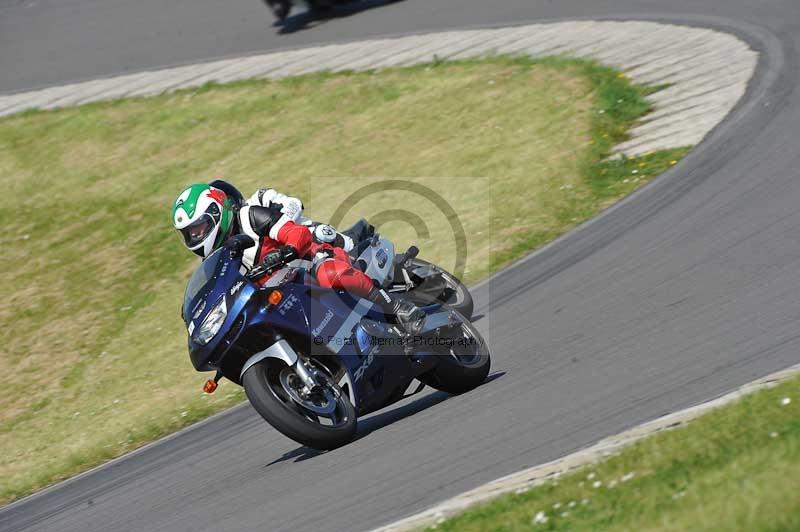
(265, 385)
(460, 300)
(461, 368)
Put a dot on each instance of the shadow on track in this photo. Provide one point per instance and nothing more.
(300, 454)
(393, 415)
(310, 19)
(371, 424)
(378, 421)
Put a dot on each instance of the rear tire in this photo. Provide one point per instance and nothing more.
(264, 392)
(458, 373)
(461, 300)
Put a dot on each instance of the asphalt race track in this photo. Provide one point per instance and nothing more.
(684, 291)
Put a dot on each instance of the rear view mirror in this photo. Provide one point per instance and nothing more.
(238, 243)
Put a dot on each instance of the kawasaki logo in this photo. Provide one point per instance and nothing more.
(328, 316)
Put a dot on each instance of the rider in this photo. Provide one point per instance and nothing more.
(207, 215)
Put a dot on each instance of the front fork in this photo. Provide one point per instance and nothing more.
(283, 351)
(305, 374)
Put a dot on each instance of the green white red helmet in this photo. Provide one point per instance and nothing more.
(203, 216)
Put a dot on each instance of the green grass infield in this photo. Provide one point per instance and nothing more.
(93, 273)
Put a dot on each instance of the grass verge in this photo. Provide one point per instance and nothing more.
(93, 274)
(735, 468)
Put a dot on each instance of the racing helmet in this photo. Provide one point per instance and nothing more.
(203, 216)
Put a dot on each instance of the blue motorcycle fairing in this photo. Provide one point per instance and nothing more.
(335, 323)
(322, 322)
(216, 279)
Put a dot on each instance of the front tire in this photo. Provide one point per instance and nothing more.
(265, 385)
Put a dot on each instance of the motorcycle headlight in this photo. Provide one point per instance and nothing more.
(211, 325)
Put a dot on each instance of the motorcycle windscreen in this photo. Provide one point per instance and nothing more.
(199, 279)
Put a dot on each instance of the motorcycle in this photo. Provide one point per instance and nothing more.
(311, 359)
(282, 8)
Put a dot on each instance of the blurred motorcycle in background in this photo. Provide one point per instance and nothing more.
(282, 8)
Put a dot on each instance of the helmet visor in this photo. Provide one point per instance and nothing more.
(195, 233)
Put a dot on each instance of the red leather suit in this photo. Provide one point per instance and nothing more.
(336, 272)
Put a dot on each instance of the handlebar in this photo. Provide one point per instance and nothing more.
(272, 261)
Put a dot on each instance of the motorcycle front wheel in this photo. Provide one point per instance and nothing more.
(322, 418)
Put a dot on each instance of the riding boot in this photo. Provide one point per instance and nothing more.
(406, 314)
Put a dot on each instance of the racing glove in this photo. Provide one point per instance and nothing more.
(278, 257)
